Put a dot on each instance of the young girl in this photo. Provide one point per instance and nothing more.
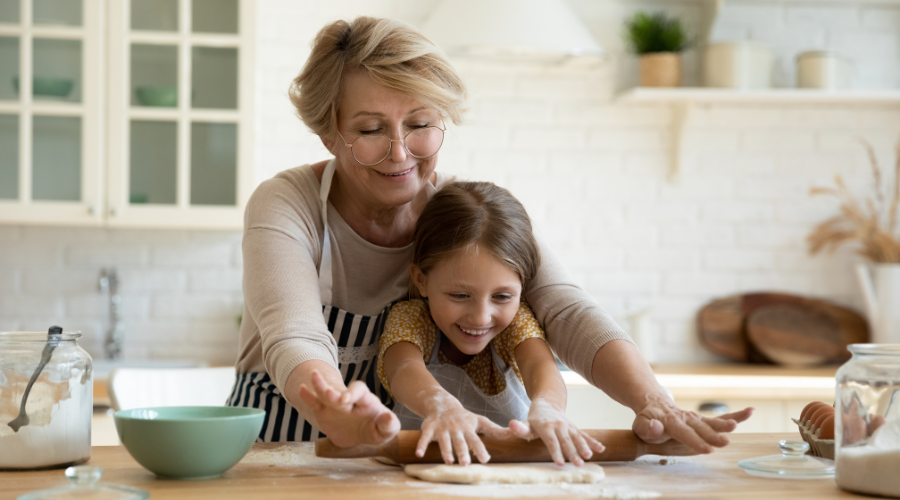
(468, 356)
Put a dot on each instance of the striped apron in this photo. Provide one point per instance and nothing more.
(357, 339)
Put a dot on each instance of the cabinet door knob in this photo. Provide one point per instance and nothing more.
(113, 211)
(92, 210)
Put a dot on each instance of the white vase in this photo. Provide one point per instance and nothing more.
(880, 284)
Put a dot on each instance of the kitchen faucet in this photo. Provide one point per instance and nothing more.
(115, 334)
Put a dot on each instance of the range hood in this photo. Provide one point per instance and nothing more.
(544, 30)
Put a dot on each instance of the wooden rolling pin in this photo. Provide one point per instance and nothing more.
(621, 446)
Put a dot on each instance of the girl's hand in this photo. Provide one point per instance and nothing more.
(560, 435)
(456, 430)
(350, 417)
(660, 420)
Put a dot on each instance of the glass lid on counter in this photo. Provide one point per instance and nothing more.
(84, 483)
(792, 463)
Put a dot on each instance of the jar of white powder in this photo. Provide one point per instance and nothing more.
(867, 426)
(59, 405)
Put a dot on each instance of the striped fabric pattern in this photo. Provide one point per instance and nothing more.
(354, 333)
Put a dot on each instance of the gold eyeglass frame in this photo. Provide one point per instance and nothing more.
(391, 145)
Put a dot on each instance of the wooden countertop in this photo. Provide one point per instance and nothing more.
(260, 475)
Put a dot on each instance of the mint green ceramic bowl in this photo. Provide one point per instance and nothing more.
(165, 96)
(189, 442)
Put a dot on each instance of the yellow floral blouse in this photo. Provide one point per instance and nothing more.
(410, 321)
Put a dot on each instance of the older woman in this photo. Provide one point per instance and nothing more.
(327, 246)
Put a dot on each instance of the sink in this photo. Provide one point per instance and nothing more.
(102, 367)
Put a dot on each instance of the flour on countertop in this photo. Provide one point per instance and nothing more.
(287, 455)
(303, 455)
(661, 460)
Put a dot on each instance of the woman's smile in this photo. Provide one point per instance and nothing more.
(401, 175)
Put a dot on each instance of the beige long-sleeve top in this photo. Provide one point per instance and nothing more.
(283, 326)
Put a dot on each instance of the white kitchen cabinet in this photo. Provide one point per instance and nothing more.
(51, 131)
(156, 130)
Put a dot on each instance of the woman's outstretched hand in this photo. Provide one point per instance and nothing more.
(456, 431)
(661, 420)
(562, 437)
(349, 417)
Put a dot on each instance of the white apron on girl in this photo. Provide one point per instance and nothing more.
(511, 403)
(357, 340)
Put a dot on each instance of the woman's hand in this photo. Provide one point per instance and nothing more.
(660, 420)
(562, 437)
(456, 430)
(350, 417)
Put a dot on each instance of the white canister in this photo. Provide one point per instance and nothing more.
(741, 65)
(823, 69)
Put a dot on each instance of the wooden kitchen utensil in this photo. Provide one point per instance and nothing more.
(723, 325)
(621, 446)
(807, 333)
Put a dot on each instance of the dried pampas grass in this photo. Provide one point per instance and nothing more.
(871, 221)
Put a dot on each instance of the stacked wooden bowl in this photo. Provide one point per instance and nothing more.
(780, 328)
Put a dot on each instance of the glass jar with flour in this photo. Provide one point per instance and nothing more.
(46, 400)
(867, 426)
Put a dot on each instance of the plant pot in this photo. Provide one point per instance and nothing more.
(661, 69)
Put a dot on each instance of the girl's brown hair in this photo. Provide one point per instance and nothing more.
(393, 53)
(464, 214)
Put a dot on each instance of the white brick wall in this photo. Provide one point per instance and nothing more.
(591, 172)
(181, 291)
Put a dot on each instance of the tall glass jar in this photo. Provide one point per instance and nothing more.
(867, 427)
(59, 405)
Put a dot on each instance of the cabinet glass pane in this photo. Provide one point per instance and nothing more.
(154, 162)
(213, 163)
(9, 158)
(57, 70)
(9, 68)
(154, 75)
(155, 15)
(214, 16)
(56, 172)
(58, 12)
(214, 77)
(9, 11)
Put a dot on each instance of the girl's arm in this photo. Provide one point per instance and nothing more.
(446, 420)
(547, 416)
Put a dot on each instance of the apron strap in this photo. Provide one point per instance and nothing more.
(326, 278)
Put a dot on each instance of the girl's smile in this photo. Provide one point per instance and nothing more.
(472, 297)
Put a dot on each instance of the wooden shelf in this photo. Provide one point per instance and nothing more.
(781, 96)
(683, 99)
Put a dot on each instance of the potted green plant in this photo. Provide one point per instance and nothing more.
(658, 40)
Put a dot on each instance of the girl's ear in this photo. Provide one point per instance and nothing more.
(419, 279)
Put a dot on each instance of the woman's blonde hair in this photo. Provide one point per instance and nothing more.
(466, 214)
(391, 52)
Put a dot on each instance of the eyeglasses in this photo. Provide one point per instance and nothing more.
(370, 150)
